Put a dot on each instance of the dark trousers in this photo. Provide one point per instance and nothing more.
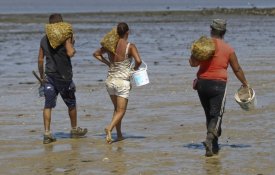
(212, 97)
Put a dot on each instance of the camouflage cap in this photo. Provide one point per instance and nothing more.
(218, 24)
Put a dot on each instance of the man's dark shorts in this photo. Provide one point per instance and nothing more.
(66, 89)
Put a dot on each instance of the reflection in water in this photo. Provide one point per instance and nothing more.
(236, 145)
(194, 146)
(213, 165)
(63, 135)
(116, 152)
(54, 162)
(49, 165)
(201, 147)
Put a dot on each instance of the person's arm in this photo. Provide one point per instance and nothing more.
(193, 62)
(98, 54)
(233, 60)
(41, 64)
(70, 47)
(134, 53)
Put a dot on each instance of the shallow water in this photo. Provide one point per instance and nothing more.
(164, 125)
(72, 6)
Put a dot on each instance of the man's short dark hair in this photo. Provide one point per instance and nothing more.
(55, 18)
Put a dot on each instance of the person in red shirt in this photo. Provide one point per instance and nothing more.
(211, 83)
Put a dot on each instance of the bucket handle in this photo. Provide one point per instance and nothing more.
(250, 95)
(142, 62)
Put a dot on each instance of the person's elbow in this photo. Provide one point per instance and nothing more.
(95, 54)
(71, 52)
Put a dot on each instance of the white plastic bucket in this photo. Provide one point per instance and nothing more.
(249, 103)
(140, 76)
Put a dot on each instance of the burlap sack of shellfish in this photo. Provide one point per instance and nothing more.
(58, 33)
(203, 48)
(110, 40)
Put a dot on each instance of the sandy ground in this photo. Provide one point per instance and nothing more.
(164, 125)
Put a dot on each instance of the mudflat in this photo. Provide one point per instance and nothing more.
(164, 124)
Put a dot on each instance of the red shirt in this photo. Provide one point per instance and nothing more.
(216, 67)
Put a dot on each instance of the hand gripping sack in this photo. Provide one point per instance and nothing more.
(58, 33)
(203, 48)
(110, 40)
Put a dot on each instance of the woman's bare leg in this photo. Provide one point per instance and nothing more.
(120, 105)
(118, 130)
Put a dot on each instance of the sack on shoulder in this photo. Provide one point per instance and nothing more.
(203, 48)
(58, 33)
(110, 40)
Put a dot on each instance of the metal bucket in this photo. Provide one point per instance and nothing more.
(246, 98)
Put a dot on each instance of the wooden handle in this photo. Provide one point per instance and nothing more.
(37, 77)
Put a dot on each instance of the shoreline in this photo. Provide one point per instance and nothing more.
(204, 11)
(146, 16)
